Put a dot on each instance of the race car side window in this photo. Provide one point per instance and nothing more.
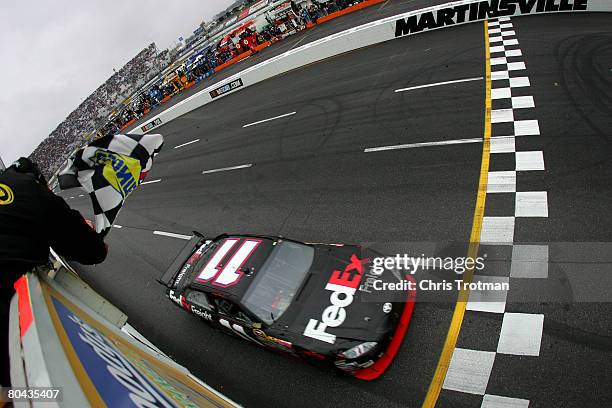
(199, 299)
(224, 306)
(230, 309)
(243, 317)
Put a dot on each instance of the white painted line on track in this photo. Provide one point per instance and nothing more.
(499, 75)
(188, 143)
(489, 301)
(502, 115)
(439, 83)
(521, 334)
(496, 401)
(498, 61)
(501, 182)
(531, 204)
(269, 119)
(526, 127)
(172, 235)
(516, 66)
(512, 41)
(499, 144)
(522, 102)
(529, 161)
(513, 53)
(242, 166)
(117, 226)
(150, 182)
(469, 371)
(423, 144)
(501, 93)
(529, 261)
(519, 82)
(497, 231)
(80, 195)
(503, 144)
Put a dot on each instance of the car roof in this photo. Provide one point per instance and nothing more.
(260, 249)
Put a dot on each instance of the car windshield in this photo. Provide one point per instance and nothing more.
(280, 277)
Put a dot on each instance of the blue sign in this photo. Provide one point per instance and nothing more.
(117, 381)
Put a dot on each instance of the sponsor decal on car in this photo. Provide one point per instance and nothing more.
(192, 260)
(181, 274)
(201, 313)
(197, 254)
(342, 285)
(229, 274)
(173, 297)
(368, 281)
(263, 335)
(238, 330)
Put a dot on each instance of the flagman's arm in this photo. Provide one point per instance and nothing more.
(70, 235)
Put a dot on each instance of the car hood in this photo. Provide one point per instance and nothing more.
(322, 296)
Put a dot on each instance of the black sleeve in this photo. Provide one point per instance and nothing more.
(69, 234)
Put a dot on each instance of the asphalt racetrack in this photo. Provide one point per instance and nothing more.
(306, 176)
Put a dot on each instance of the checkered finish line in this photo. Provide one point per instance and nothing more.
(109, 169)
(471, 370)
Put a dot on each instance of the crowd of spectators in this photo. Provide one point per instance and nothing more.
(94, 111)
(106, 110)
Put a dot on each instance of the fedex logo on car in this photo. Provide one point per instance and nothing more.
(342, 285)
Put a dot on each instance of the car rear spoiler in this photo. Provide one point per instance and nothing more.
(167, 279)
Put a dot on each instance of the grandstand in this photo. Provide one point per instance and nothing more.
(152, 78)
(94, 111)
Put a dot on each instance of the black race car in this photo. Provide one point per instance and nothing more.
(313, 301)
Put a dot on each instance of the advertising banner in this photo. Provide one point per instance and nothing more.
(106, 366)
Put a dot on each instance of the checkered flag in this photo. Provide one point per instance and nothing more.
(109, 169)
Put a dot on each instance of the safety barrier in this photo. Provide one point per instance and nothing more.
(349, 10)
(402, 25)
(263, 45)
(331, 16)
(63, 336)
(128, 124)
(233, 60)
